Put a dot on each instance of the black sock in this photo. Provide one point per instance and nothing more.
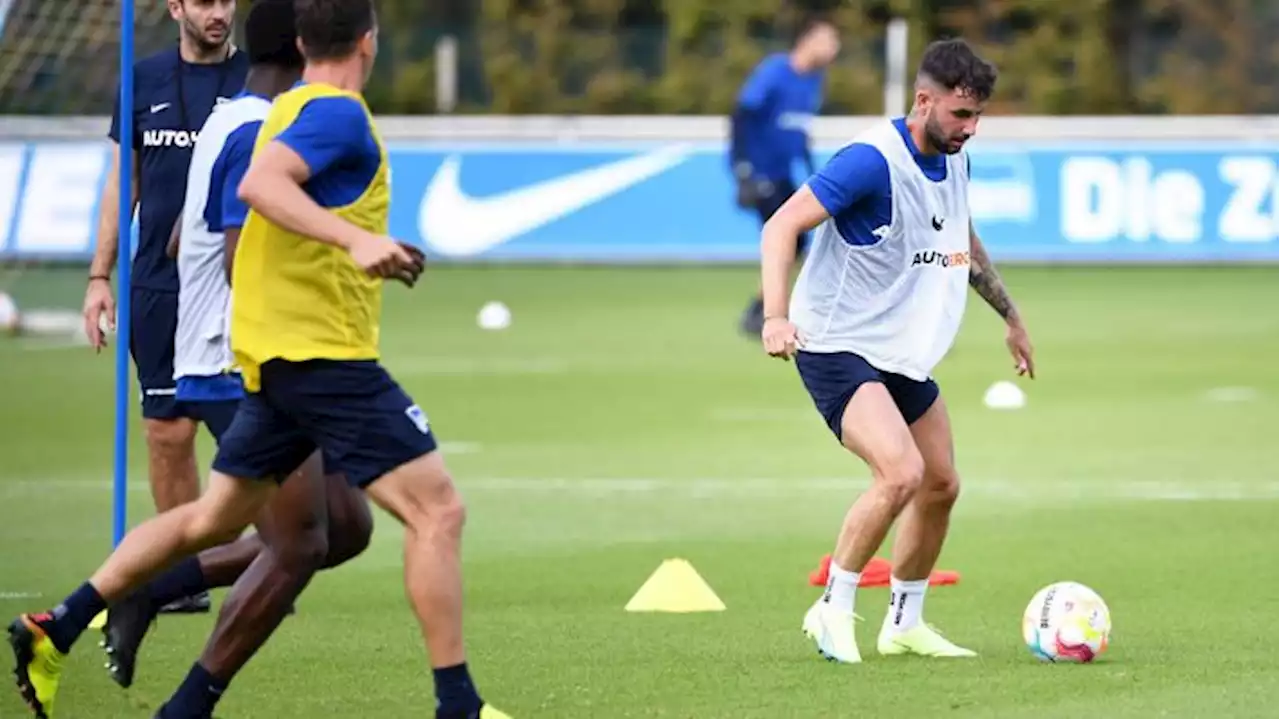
(72, 617)
(455, 694)
(196, 696)
(185, 579)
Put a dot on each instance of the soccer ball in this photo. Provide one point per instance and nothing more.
(1066, 622)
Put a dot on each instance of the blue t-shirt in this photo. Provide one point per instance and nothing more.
(333, 136)
(853, 187)
(171, 101)
(779, 103)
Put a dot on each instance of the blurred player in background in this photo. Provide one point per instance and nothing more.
(306, 302)
(876, 306)
(174, 92)
(313, 522)
(770, 129)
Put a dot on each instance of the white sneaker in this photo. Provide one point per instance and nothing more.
(832, 630)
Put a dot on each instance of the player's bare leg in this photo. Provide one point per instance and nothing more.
(314, 522)
(40, 641)
(217, 517)
(922, 529)
(317, 523)
(289, 523)
(171, 459)
(421, 494)
(171, 462)
(872, 427)
(129, 620)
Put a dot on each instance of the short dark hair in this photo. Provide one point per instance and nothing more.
(954, 64)
(270, 34)
(330, 29)
(808, 23)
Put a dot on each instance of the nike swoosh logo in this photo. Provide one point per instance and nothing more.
(457, 224)
(159, 108)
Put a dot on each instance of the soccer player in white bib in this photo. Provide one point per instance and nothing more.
(876, 306)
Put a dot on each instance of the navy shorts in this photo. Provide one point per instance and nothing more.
(217, 416)
(832, 378)
(213, 400)
(153, 322)
(352, 411)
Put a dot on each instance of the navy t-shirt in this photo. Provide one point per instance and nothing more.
(780, 103)
(171, 101)
(853, 187)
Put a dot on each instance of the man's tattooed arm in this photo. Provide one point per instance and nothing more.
(986, 282)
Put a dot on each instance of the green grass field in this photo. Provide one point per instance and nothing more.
(621, 421)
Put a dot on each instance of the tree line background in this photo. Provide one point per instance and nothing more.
(1059, 57)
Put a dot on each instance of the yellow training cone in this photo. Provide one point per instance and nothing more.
(675, 587)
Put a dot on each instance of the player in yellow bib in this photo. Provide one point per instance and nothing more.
(306, 301)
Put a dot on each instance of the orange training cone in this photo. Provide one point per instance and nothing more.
(876, 574)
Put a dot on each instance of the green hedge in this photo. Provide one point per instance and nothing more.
(689, 56)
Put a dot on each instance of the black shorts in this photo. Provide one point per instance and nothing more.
(832, 378)
(769, 204)
(153, 322)
(352, 411)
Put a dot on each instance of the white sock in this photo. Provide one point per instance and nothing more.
(906, 603)
(841, 586)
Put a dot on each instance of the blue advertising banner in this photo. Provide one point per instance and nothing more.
(1165, 202)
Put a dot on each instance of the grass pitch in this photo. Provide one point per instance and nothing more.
(621, 421)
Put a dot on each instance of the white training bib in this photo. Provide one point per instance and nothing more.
(202, 345)
(897, 303)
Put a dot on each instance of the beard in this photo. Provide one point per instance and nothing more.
(204, 42)
(938, 140)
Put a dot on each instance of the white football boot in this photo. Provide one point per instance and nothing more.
(832, 630)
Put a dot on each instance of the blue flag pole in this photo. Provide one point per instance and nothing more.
(120, 488)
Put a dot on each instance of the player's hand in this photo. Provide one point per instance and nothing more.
(381, 256)
(1020, 347)
(781, 339)
(98, 301)
(409, 275)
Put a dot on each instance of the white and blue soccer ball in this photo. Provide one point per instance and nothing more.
(1067, 622)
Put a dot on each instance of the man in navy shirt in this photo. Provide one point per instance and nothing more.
(770, 128)
(174, 92)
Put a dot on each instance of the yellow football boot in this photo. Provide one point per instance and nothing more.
(38, 664)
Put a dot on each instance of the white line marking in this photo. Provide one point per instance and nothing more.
(454, 366)
(19, 595)
(845, 488)
(760, 414)
(1231, 394)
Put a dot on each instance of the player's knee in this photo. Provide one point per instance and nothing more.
(448, 513)
(903, 475)
(442, 513)
(941, 488)
(423, 497)
(349, 536)
(170, 437)
(305, 550)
